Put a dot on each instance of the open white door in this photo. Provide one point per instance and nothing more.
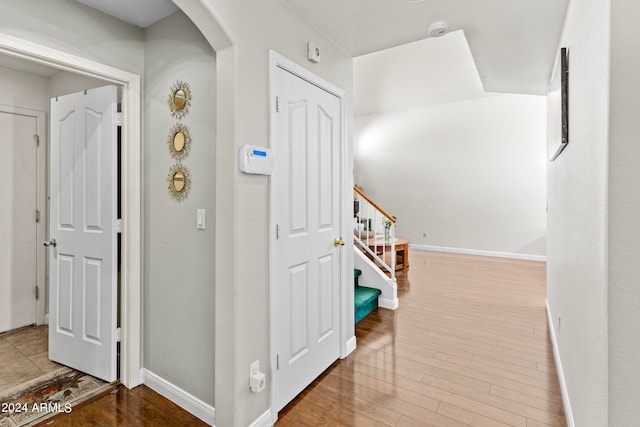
(82, 228)
(308, 147)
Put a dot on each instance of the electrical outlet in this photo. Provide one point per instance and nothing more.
(254, 368)
(424, 234)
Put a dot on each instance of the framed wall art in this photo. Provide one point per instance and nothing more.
(558, 106)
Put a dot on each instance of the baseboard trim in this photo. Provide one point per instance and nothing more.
(180, 397)
(264, 420)
(350, 347)
(391, 304)
(511, 255)
(556, 355)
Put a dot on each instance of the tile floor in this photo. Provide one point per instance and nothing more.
(24, 356)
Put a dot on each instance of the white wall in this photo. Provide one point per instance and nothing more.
(470, 174)
(24, 90)
(242, 233)
(179, 285)
(433, 71)
(577, 218)
(178, 270)
(624, 217)
(64, 83)
(241, 202)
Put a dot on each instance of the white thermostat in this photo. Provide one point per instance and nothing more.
(256, 160)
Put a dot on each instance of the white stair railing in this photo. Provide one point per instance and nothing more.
(375, 232)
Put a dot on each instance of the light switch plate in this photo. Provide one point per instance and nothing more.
(201, 219)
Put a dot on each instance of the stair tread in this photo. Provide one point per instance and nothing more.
(366, 300)
(363, 295)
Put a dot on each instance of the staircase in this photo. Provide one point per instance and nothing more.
(375, 257)
(366, 299)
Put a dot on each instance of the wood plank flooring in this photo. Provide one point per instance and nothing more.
(469, 345)
(139, 406)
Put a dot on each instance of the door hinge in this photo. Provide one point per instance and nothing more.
(277, 231)
(119, 118)
(277, 104)
(277, 361)
(119, 225)
(37, 292)
(37, 215)
(118, 334)
(36, 138)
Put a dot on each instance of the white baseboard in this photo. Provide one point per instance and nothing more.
(391, 304)
(264, 420)
(526, 257)
(350, 347)
(180, 397)
(563, 384)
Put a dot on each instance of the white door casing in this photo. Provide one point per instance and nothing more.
(82, 220)
(18, 227)
(130, 319)
(307, 288)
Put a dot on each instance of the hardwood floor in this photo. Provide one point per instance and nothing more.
(469, 345)
(123, 407)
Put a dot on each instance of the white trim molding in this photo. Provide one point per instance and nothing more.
(130, 319)
(563, 385)
(350, 347)
(264, 420)
(183, 399)
(512, 255)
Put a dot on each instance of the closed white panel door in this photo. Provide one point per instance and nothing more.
(308, 203)
(82, 275)
(17, 221)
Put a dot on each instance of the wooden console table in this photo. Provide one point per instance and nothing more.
(402, 250)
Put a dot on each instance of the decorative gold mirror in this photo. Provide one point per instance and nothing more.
(179, 182)
(179, 99)
(179, 141)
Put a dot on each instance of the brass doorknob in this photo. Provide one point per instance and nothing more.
(338, 242)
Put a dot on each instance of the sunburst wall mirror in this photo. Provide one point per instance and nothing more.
(179, 182)
(179, 141)
(179, 99)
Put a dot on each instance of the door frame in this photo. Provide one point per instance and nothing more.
(131, 199)
(41, 201)
(347, 343)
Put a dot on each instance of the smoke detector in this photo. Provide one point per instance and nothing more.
(438, 29)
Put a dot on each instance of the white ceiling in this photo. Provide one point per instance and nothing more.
(513, 42)
(433, 71)
(141, 13)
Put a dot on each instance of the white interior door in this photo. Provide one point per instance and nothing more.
(18, 193)
(82, 223)
(308, 206)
